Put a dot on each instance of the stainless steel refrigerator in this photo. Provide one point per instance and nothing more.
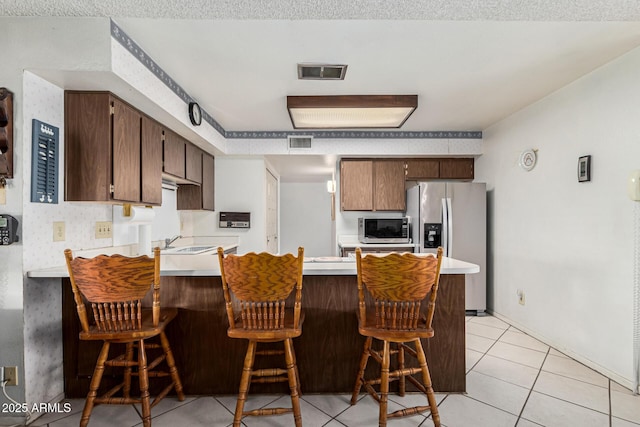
(453, 215)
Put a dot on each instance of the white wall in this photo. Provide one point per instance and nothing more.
(240, 187)
(28, 43)
(305, 219)
(568, 245)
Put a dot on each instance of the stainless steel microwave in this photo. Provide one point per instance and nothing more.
(384, 230)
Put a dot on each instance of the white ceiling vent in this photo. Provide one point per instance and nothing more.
(300, 141)
(321, 71)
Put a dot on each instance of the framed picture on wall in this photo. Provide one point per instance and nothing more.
(584, 168)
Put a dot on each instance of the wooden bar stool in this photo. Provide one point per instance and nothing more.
(391, 289)
(113, 288)
(256, 287)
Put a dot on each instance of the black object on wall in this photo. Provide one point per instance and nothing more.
(6, 133)
(44, 163)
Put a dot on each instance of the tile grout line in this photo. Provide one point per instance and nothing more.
(610, 408)
(532, 386)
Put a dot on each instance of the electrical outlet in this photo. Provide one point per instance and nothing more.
(520, 294)
(104, 229)
(58, 231)
(11, 375)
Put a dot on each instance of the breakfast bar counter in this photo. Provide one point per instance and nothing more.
(328, 351)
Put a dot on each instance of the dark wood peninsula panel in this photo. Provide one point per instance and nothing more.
(328, 351)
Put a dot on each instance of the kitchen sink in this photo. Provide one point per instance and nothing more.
(189, 250)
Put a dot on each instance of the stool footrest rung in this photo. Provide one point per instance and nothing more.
(406, 372)
(269, 380)
(269, 352)
(121, 362)
(153, 374)
(162, 395)
(408, 411)
(418, 384)
(116, 400)
(269, 411)
(372, 391)
(269, 372)
(409, 350)
(155, 362)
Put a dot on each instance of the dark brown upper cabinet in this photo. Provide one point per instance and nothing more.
(417, 169)
(356, 185)
(174, 154)
(388, 185)
(199, 197)
(457, 168)
(103, 151)
(151, 161)
(372, 185)
(193, 170)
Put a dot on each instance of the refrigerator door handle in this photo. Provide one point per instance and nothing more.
(449, 246)
(445, 228)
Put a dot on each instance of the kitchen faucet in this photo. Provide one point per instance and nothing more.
(170, 240)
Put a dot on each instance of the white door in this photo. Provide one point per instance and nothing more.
(272, 213)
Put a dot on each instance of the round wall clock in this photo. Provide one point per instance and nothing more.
(527, 159)
(195, 114)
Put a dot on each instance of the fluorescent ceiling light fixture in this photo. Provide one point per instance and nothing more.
(350, 111)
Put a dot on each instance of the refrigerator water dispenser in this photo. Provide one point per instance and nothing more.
(432, 235)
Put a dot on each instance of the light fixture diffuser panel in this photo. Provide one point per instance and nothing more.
(342, 118)
(350, 111)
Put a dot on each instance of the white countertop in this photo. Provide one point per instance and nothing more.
(207, 265)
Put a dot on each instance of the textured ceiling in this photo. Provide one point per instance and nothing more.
(471, 62)
(504, 10)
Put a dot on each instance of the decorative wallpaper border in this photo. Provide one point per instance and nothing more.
(137, 52)
(337, 134)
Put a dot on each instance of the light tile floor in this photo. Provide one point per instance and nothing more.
(512, 380)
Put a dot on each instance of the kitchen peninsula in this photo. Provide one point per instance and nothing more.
(328, 351)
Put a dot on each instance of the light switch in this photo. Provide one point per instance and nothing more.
(58, 231)
(103, 229)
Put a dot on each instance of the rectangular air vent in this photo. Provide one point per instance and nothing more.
(299, 141)
(44, 163)
(321, 71)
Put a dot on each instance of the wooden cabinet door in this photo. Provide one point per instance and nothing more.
(193, 163)
(388, 185)
(174, 154)
(126, 152)
(356, 185)
(208, 182)
(151, 142)
(422, 169)
(87, 146)
(199, 197)
(456, 169)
